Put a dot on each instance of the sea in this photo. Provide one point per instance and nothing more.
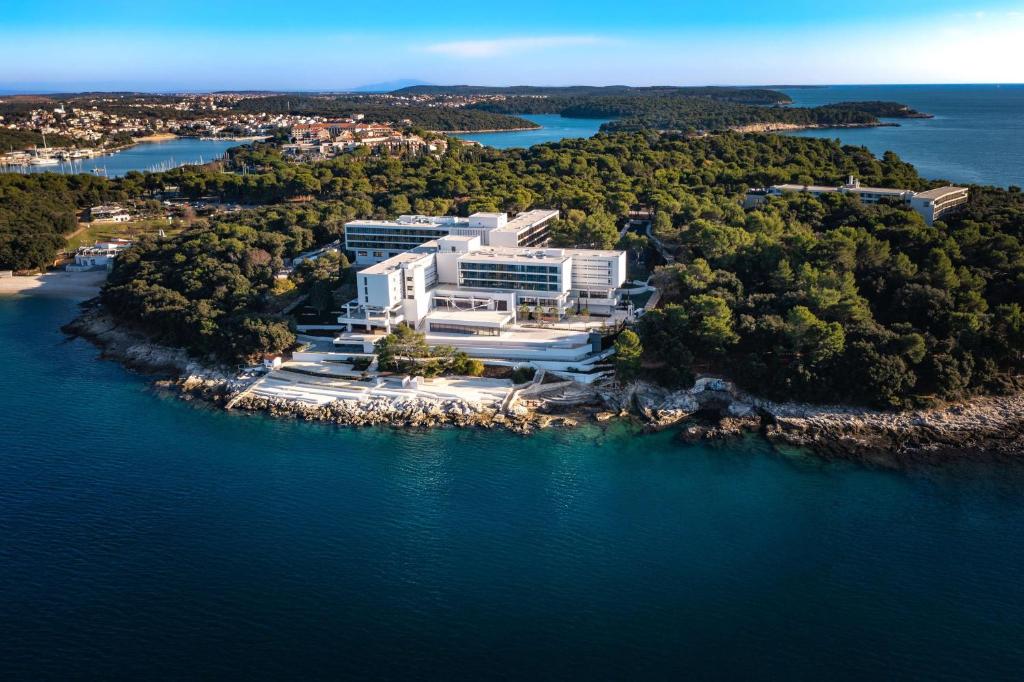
(977, 135)
(145, 537)
(553, 128)
(145, 156)
(142, 536)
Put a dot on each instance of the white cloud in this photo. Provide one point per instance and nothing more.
(473, 49)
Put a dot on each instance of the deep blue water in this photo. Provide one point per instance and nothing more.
(147, 156)
(144, 537)
(553, 128)
(977, 135)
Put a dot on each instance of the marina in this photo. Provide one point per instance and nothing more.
(143, 157)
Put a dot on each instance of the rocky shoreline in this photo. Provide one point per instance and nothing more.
(787, 127)
(988, 429)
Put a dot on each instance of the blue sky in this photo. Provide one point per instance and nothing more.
(313, 45)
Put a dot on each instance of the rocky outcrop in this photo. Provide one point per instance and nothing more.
(138, 352)
(416, 413)
(778, 127)
(989, 428)
(128, 347)
(713, 409)
(661, 408)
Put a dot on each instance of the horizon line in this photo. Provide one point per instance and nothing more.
(360, 89)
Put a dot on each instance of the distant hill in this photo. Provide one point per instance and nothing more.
(731, 94)
(391, 86)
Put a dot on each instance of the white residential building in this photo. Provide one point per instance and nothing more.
(108, 214)
(373, 241)
(932, 204)
(99, 256)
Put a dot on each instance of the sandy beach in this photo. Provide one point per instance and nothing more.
(156, 137)
(78, 286)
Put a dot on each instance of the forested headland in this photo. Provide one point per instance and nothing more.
(677, 109)
(383, 109)
(819, 300)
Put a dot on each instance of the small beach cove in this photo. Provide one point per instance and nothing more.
(74, 286)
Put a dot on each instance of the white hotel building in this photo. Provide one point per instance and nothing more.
(932, 204)
(375, 240)
(456, 285)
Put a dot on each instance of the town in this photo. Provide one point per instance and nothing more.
(89, 126)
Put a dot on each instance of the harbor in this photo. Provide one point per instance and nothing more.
(144, 157)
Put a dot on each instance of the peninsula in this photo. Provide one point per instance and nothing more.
(414, 289)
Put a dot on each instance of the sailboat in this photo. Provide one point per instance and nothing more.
(43, 160)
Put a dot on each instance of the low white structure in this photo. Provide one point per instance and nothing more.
(108, 214)
(523, 344)
(932, 204)
(99, 256)
(333, 247)
(375, 240)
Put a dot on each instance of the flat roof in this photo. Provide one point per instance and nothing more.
(528, 219)
(595, 252)
(805, 188)
(840, 188)
(393, 263)
(877, 190)
(940, 192)
(517, 254)
(406, 223)
(522, 221)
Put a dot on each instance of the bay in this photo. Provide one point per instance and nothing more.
(553, 129)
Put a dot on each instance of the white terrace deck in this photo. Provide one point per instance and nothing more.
(317, 390)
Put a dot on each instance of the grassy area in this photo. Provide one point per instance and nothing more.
(95, 232)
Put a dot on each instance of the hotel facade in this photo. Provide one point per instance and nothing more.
(456, 284)
(373, 241)
(932, 204)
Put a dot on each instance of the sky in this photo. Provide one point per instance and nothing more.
(185, 45)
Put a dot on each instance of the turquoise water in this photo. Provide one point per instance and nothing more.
(148, 156)
(977, 135)
(553, 128)
(145, 537)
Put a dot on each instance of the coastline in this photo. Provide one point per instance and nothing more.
(156, 137)
(786, 127)
(488, 130)
(77, 286)
(987, 428)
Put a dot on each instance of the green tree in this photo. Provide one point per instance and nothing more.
(711, 322)
(628, 354)
(815, 338)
